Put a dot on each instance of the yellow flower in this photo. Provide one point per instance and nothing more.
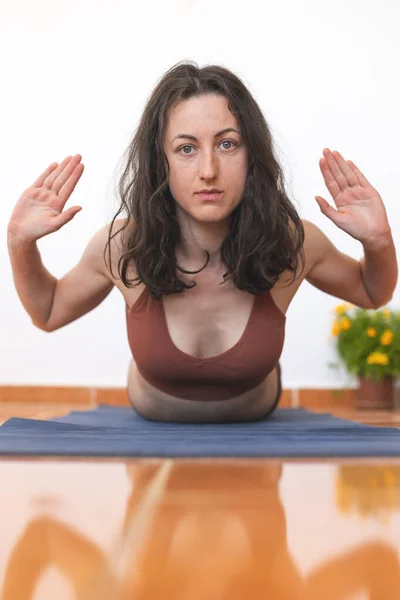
(340, 309)
(335, 328)
(387, 337)
(345, 324)
(386, 313)
(377, 358)
(371, 332)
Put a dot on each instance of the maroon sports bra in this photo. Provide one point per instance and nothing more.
(221, 377)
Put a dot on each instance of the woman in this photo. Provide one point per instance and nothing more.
(210, 254)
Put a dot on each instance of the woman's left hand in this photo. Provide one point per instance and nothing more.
(360, 209)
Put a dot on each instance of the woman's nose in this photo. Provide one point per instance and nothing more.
(208, 166)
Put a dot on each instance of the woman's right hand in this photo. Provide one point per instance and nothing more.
(39, 210)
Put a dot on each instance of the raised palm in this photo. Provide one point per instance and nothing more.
(39, 210)
(360, 211)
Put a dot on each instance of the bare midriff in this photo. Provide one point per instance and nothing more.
(156, 405)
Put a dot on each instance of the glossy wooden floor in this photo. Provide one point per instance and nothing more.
(199, 530)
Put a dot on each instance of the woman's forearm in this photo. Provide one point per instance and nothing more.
(379, 270)
(34, 284)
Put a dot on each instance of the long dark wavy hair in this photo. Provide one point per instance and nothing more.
(266, 234)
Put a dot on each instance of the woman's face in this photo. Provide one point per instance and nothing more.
(203, 154)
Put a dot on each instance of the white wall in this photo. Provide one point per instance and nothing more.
(75, 78)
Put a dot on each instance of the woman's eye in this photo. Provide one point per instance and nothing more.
(183, 148)
(228, 142)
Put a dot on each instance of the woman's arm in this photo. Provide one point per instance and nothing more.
(360, 212)
(379, 270)
(367, 283)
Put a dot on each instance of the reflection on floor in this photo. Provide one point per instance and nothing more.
(199, 529)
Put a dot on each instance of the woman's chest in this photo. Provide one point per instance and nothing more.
(210, 318)
(207, 324)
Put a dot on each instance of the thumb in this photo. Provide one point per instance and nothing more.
(327, 209)
(67, 216)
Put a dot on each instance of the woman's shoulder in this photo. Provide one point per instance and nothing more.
(117, 231)
(113, 240)
(308, 254)
(315, 244)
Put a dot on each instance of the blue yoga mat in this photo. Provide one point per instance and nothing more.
(116, 431)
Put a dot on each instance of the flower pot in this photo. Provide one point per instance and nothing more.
(375, 394)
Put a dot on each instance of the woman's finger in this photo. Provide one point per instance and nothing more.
(64, 176)
(66, 190)
(345, 168)
(48, 183)
(363, 181)
(330, 181)
(66, 216)
(41, 179)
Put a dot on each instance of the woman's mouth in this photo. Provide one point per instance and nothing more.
(208, 195)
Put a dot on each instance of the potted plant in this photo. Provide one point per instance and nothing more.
(368, 344)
